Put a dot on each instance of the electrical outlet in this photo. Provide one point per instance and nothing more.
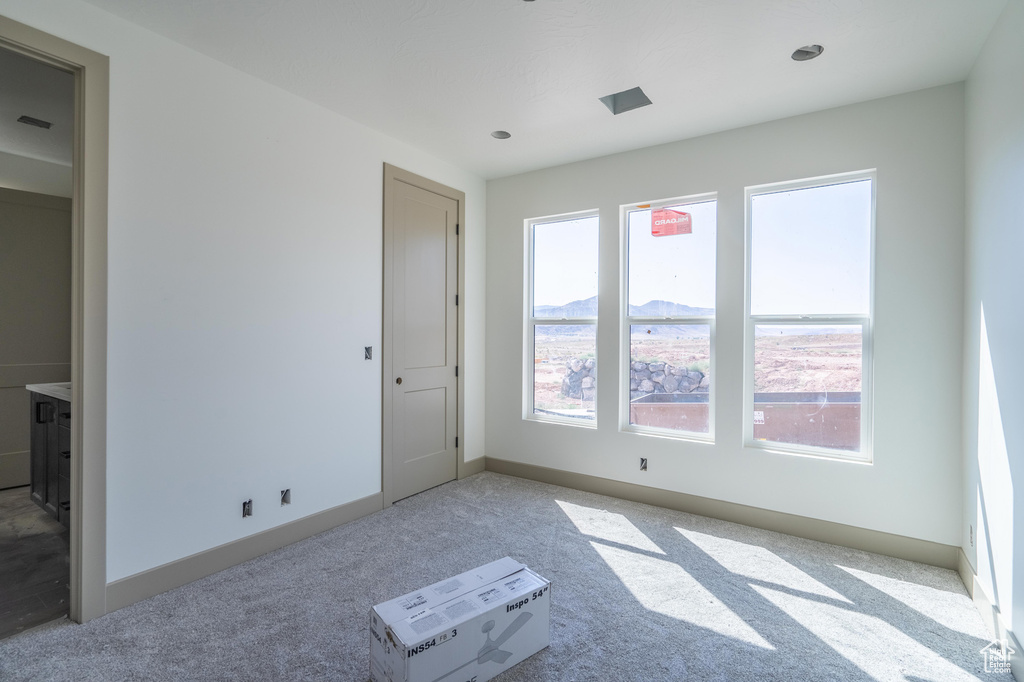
(286, 496)
(643, 464)
(247, 508)
(368, 352)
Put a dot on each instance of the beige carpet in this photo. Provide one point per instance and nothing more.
(638, 593)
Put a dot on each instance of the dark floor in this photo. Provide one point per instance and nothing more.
(33, 564)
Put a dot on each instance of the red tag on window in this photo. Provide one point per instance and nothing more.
(666, 222)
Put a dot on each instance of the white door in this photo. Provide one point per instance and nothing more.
(420, 336)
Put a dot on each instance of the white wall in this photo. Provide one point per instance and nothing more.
(244, 280)
(994, 327)
(916, 143)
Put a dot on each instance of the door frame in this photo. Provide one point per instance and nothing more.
(91, 72)
(393, 174)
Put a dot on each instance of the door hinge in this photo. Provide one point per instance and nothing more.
(456, 441)
(456, 299)
(456, 370)
(456, 228)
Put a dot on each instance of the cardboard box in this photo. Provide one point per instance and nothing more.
(470, 627)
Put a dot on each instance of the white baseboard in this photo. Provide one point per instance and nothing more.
(991, 614)
(912, 549)
(134, 588)
(471, 467)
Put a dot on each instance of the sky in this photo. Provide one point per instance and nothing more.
(565, 261)
(679, 268)
(811, 251)
(810, 254)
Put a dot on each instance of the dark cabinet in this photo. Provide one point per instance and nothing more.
(44, 420)
(51, 456)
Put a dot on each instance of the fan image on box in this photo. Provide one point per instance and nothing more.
(492, 651)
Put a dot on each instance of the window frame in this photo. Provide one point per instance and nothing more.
(626, 322)
(866, 322)
(531, 322)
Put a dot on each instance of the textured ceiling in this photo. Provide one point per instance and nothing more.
(442, 74)
(30, 88)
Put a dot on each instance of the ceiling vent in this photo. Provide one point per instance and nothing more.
(627, 100)
(807, 52)
(39, 123)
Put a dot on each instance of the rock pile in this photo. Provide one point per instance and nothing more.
(660, 377)
(580, 379)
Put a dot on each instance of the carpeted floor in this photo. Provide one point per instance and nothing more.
(638, 593)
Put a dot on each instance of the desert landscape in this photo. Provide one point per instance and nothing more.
(783, 363)
(807, 362)
(553, 356)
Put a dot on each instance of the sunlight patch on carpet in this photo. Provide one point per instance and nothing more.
(941, 606)
(609, 526)
(664, 587)
(878, 648)
(753, 561)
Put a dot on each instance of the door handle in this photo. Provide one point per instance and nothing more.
(43, 413)
(398, 381)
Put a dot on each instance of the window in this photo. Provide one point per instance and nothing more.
(561, 318)
(669, 322)
(809, 299)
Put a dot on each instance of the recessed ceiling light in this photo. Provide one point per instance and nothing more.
(627, 100)
(38, 123)
(807, 52)
(501, 134)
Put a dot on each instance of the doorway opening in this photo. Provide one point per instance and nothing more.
(83, 470)
(37, 123)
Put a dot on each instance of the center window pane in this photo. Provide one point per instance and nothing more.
(672, 260)
(670, 376)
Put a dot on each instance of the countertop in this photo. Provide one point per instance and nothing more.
(60, 391)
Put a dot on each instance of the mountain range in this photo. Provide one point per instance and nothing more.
(656, 309)
(588, 308)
